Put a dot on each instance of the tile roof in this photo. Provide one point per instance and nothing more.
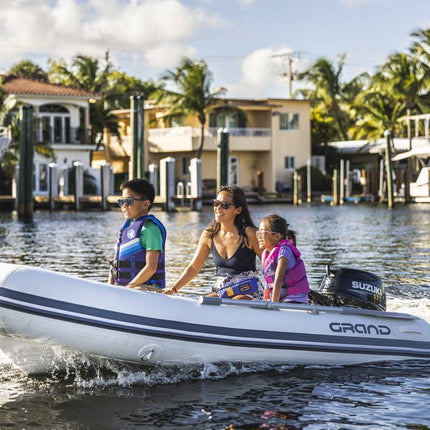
(25, 86)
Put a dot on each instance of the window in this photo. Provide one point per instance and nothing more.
(40, 178)
(289, 163)
(289, 121)
(54, 126)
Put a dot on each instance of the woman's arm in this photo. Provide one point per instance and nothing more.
(281, 269)
(195, 265)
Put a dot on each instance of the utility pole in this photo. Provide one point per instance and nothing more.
(287, 71)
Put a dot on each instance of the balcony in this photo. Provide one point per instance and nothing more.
(63, 135)
(187, 139)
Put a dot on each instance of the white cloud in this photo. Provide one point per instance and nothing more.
(263, 74)
(356, 3)
(157, 30)
(246, 2)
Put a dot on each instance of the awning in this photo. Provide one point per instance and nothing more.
(415, 152)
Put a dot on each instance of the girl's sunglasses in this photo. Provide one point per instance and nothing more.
(128, 201)
(224, 205)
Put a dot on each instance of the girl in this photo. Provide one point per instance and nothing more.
(283, 269)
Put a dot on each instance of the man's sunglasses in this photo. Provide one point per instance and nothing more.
(128, 201)
(224, 205)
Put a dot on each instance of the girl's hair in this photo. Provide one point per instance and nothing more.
(280, 225)
(242, 220)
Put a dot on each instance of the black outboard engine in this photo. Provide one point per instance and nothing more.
(343, 286)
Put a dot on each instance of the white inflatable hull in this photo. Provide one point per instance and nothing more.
(116, 323)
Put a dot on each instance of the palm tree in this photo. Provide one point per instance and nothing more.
(402, 76)
(193, 96)
(121, 87)
(28, 69)
(86, 73)
(376, 111)
(328, 92)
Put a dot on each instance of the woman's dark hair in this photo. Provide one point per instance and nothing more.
(280, 225)
(242, 220)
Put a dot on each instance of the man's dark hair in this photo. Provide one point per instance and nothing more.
(142, 187)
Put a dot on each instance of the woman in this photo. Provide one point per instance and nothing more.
(231, 237)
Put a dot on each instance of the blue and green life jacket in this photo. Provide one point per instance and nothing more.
(130, 255)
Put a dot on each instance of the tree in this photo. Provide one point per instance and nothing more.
(329, 93)
(86, 73)
(28, 69)
(377, 111)
(193, 95)
(121, 87)
(402, 77)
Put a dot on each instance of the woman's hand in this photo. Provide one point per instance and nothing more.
(170, 291)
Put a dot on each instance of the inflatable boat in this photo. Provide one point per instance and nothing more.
(41, 308)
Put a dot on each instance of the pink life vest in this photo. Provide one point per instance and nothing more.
(295, 281)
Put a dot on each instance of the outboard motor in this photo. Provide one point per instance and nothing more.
(343, 286)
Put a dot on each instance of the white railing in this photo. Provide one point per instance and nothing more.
(243, 131)
(211, 132)
(170, 132)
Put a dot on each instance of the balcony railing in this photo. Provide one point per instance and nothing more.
(210, 132)
(243, 131)
(63, 135)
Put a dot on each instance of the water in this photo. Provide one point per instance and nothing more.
(104, 395)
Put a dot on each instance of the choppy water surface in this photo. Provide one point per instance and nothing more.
(101, 395)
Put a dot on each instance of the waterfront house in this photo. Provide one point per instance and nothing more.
(366, 158)
(61, 119)
(268, 139)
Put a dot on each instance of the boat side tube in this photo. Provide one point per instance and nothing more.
(313, 309)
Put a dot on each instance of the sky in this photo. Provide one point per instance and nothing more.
(245, 43)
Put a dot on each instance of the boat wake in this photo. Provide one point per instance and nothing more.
(418, 307)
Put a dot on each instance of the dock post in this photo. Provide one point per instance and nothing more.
(53, 185)
(260, 183)
(347, 179)
(389, 169)
(335, 183)
(106, 189)
(167, 182)
(79, 183)
(342, 182)
(26, 150)
(196, 183)
(308, 182)
(222, 157)
(153, 178)
(137, 114)
(295, 189)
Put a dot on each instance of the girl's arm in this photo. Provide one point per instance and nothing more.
(251, 233)
(195, 265)
(281, 269)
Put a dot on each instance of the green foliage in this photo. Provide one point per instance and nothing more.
(121, 87)
(367, 106)
(28, 69)
(319, 181)
(192, 95)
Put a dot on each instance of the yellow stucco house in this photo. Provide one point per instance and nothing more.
(272, 136)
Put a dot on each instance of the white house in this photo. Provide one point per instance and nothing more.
(62, 120)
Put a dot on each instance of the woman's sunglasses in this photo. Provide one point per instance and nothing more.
(224, 205)
(128, 201)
